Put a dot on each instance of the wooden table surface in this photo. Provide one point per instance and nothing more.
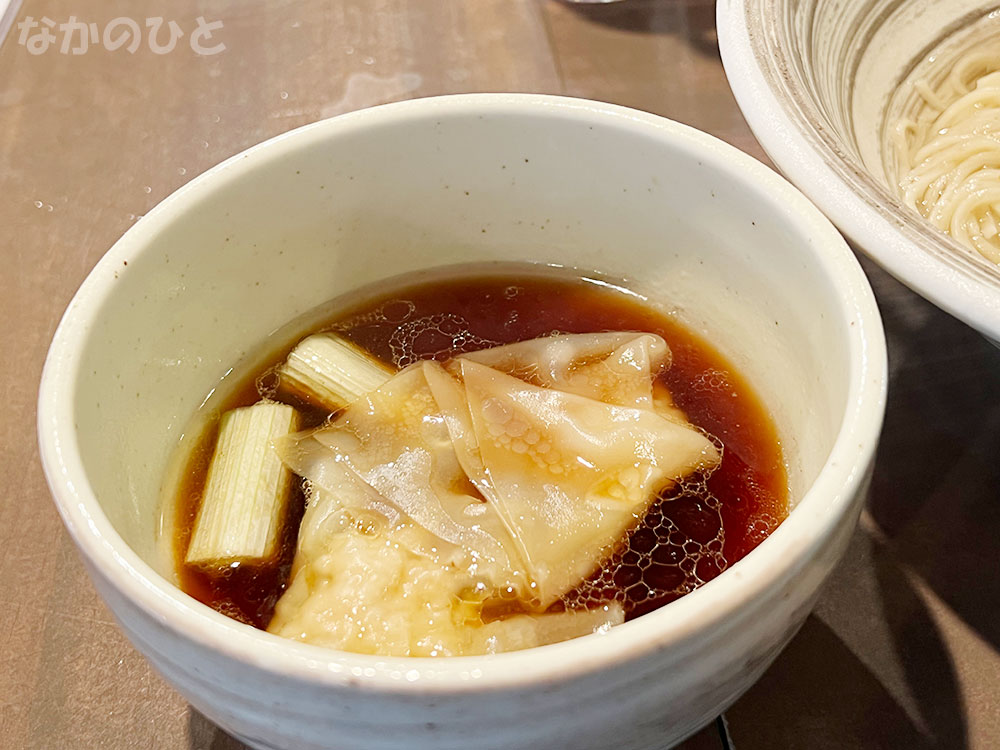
(903, 650)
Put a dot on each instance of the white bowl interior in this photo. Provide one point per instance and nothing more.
(221, 269)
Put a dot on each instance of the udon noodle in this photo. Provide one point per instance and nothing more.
(949, 153)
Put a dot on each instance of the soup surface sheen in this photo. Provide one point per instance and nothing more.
(701, 527)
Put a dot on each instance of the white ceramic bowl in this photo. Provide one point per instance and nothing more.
(306, 216)
(815, 81)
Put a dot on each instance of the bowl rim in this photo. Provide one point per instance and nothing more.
(784, 121)
(815, 520)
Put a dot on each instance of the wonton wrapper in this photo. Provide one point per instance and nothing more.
(570, 475)
(616, 368)
(363, 593)
(393, 449)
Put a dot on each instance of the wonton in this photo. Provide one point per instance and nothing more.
(451, 507)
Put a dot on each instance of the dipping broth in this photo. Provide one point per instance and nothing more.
(703, 525)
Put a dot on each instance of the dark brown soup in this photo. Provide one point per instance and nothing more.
(700, 528)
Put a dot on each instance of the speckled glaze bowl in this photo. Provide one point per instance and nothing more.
(817, 82)
(705, 230)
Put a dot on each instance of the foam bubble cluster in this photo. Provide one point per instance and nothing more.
(509, 430)
(438, 336)
(678, 546)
